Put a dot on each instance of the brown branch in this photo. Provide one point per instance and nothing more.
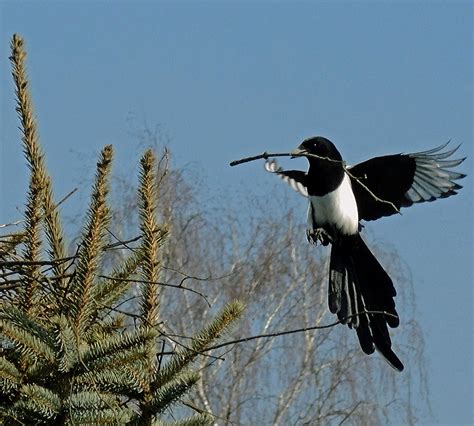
(371, 193)
(268, 335)
(193, 277)
(158, 283)
(120, 243)
(54, 262)
(7, 263)
(4, 225)
(65, 198)
(351, 412)
(18, 281)
(119, 311)
(266, 155)
(178, 343)
(298, 330)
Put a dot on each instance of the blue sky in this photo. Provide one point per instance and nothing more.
(231, 79)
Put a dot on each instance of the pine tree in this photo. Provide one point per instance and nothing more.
(67, 354)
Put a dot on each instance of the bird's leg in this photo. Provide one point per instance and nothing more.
(313, 235)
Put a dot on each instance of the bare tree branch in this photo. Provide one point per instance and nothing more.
(266, 155)
(299, 330)
(180, 286)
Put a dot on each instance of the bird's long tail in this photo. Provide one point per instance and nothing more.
(358, 283)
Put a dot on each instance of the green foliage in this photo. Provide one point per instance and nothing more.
(184, 357)
(196, 420)
(67, 353)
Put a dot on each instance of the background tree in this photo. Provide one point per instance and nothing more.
(259, 254)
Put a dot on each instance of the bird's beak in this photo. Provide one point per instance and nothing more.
(298, 152)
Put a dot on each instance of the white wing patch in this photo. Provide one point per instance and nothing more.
(432, 178)
(273, 167)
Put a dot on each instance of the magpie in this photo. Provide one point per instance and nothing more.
(340, 197)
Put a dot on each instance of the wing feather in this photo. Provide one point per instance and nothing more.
(295, 178)
(404, 179)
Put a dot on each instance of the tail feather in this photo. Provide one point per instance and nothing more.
(358, 283)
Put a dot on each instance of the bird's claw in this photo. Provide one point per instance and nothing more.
(320, 234)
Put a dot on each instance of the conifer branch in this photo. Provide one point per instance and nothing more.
(53, 228)
(32, 340)
(42, 403)
(231, 312)
(113, 287)
(93, 242)
(114, 344)
(173, 390)
(34, 157)
(152, 237)
(69, 357)
(66, 343)
(10, 376)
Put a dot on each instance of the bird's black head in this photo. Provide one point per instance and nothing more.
(317, 145)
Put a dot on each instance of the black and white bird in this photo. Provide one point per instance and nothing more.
(340, 197)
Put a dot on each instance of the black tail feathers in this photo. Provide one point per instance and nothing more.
(358, 283)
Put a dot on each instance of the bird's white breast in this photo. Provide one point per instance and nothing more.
(337, 209)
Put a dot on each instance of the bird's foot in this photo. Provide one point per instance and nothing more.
(320, 234)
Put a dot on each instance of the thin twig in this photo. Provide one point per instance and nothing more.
(298, 330)
(20, 280)
(7, 263)
(267, 155)
(178, 343)
(351, 412)
(193, 277)
(283, 333)
(380, 200)
(119, 311)
(158, 283)
(159, 356)
(120, 242)
(4, 225)
(65, 198)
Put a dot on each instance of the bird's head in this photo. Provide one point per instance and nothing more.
(317, 145)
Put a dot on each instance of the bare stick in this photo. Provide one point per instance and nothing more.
(180, 286)
(264, 156)
(294, 331)
(4, 225)
(299, 330)
(380, 200)
(66, 197)
(8, 263)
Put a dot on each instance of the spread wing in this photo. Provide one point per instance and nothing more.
(295, 178)
(384, 184)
